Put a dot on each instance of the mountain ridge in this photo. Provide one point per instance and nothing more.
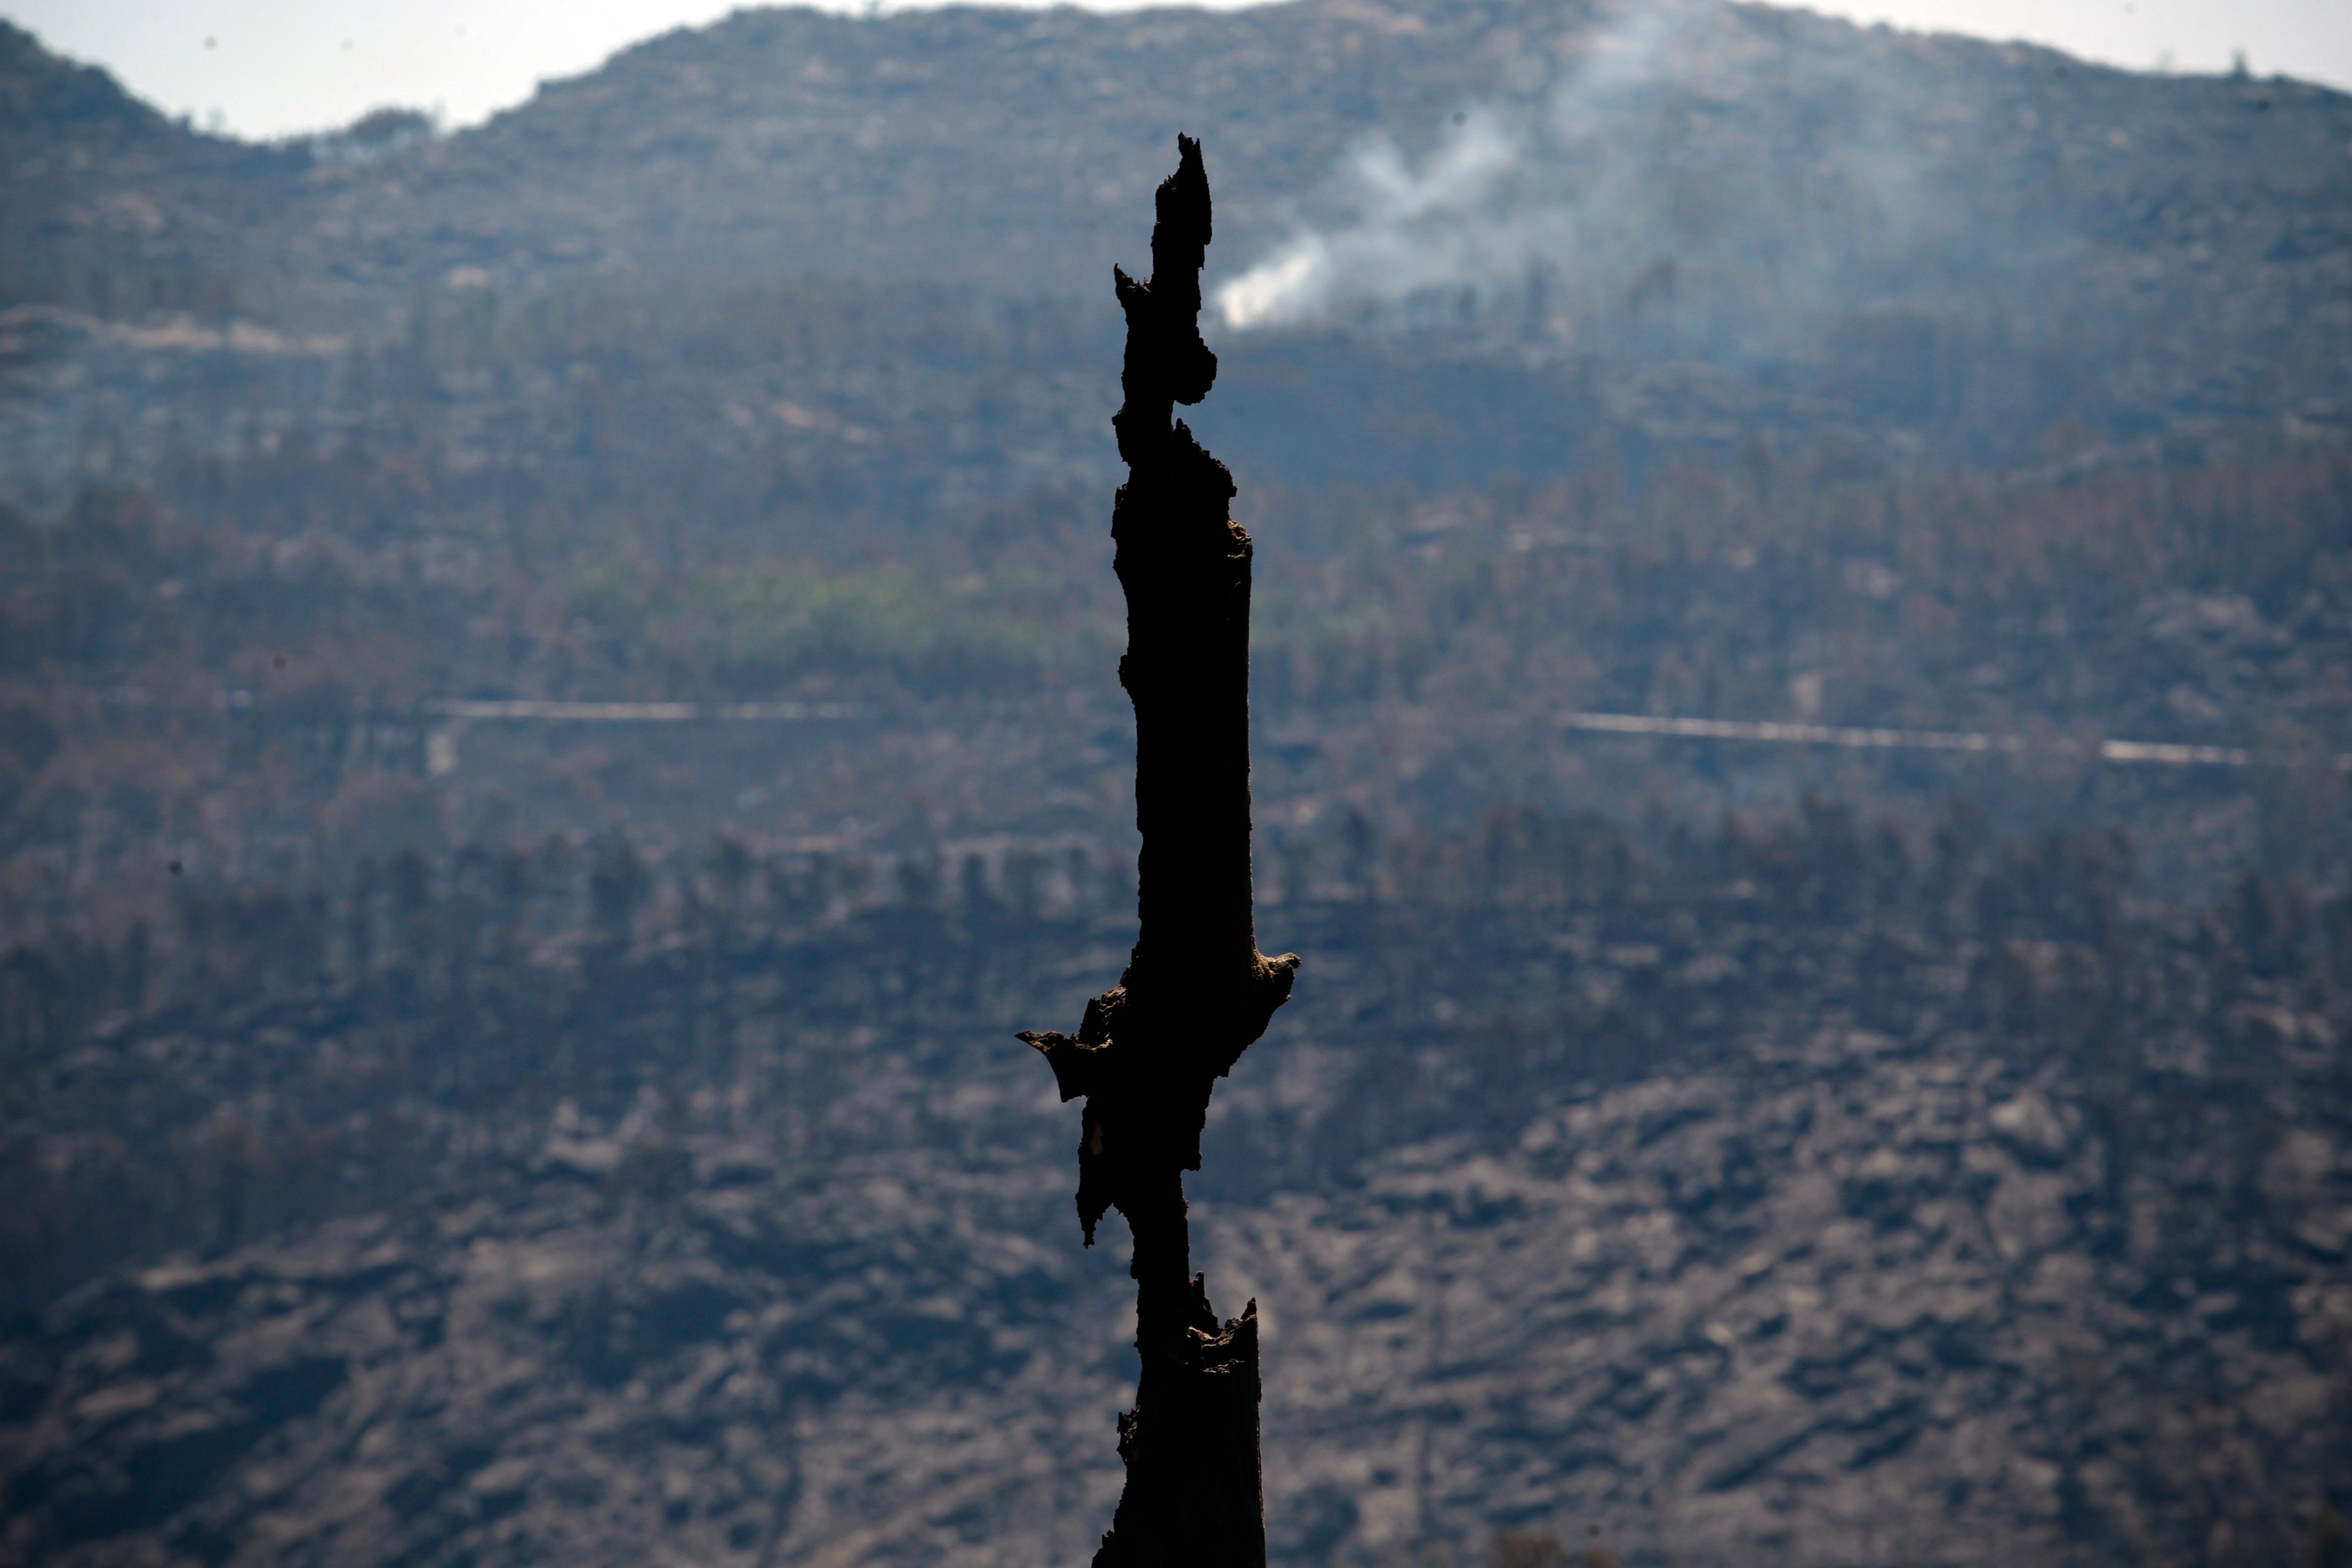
(1548, 239)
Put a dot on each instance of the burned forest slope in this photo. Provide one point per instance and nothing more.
(1788, 1198)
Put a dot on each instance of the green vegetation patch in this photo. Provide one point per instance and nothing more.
(772, 625)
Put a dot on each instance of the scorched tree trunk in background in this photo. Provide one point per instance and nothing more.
(1196, 991)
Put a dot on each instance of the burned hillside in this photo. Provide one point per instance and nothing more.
(558, 708)
(1789, 1192)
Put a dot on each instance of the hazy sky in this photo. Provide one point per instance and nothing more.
(269, 67)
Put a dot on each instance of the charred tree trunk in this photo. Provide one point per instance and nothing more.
(1196, 991)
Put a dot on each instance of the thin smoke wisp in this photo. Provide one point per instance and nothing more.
(1680, 179)
(1420, 227)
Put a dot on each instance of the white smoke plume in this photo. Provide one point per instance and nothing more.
(1495, 195)
(1681, 175)
(1417, 228)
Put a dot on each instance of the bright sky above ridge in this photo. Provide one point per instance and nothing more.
(272, 67)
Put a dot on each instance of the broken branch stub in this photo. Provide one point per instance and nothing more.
(1196, 991)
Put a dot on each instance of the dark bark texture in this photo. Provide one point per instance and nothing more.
(1197, 991)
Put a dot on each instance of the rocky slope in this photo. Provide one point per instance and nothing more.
(1857, 1300)
(1790, 1206)
(691, 1355)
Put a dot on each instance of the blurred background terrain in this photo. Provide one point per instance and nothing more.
(556, 710)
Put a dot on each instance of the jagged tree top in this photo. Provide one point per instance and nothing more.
(1167, 362)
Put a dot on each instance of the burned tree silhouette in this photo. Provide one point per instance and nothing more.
(1196, 991)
